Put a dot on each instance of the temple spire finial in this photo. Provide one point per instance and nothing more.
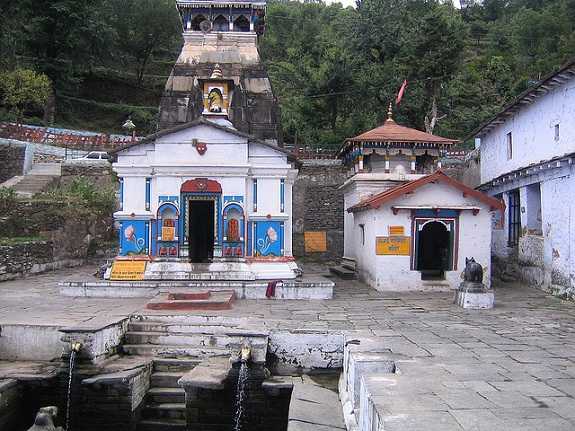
(390, 112)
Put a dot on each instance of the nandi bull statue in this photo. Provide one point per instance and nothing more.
(45, 420)
(472, 293)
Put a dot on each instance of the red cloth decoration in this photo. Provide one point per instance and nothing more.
(401, 91)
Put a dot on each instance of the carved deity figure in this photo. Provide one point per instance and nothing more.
(45, 420)
(215, 101)
(233, 233)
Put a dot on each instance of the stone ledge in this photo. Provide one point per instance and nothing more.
(209, 374)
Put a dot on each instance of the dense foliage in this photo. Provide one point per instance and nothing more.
(334, 69)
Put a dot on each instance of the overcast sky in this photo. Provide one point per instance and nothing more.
(346, 3)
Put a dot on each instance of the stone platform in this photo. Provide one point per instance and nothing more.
(218, 300)
(221, 269)
(313, 287)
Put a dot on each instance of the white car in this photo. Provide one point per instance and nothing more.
(93, 157)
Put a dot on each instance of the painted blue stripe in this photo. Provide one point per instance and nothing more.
(148, 192)
(255, 195)
(282, 195)
(121, 197)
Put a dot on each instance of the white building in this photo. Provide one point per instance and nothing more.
(527, 154)
(204, 192)
(408, 226)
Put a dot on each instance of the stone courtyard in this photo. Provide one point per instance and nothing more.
(508, 368)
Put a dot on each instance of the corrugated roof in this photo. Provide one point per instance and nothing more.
(374, 202)
(390, 131)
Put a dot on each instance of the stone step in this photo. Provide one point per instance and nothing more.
(199, 328)
(166, 379)
(165, 411)
(179, 365)
(174, 351)
(343, 273)
(205, 276)
(166, 395)
(162, 425)
(200, 340)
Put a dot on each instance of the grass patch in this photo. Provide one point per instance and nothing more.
(17, 240)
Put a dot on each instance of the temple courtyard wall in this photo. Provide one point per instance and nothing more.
(318, 210)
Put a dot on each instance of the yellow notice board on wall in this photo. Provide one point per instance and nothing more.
(396, 231)
(315, 242)
(128, 270)
(392, 245)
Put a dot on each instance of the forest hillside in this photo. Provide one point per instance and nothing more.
(334, 69)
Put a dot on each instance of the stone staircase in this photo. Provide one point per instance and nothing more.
(178, 338)
(346, 270)
(165, 404)
(38, 179)
(177, 344)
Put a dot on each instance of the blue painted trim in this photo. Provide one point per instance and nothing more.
(436, 214)
(250, 239)
(255, 195)
(148, 193)
(147, 230)
(154, 236)
(121, 193)
(282, 195)
(282, 236)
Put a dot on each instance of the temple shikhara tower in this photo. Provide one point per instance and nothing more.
(209, 196)
(223, 34)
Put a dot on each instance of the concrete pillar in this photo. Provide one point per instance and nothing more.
(413, 164)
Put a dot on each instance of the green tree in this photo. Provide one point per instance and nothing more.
(24, 89)
(144, 28)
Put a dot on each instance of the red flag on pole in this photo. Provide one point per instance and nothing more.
(401, 91)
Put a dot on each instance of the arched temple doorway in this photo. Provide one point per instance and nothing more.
(201, 203)
(434, 250)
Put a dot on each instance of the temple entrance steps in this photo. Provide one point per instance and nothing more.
(165, 404)
(176, 336)
(181, 270)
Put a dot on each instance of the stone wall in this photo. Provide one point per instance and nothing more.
(12, 160)
(112, 401)
(318, 207)
(18, 260)
(100, 173)
(214, 409)
(64, 242)
(10, 405)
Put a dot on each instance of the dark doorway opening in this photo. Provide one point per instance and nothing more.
(434, 253)
(201, 234)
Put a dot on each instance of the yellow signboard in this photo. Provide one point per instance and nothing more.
(392, 245)
(128, 270)
(315, 242)
(396, 231)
